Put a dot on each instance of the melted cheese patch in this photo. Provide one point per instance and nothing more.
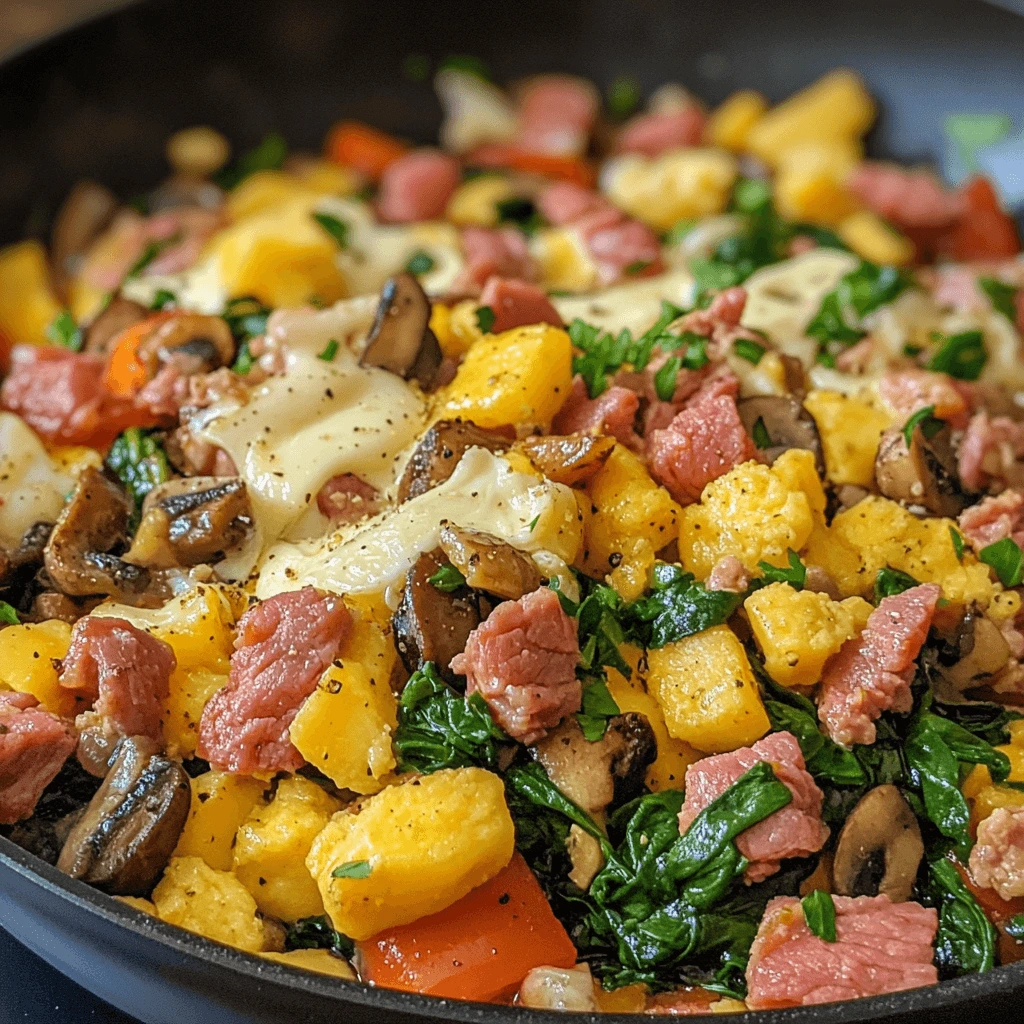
(32, 487)
(484, 493)
(316, 421)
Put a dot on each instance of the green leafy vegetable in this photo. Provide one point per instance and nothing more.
(759, 434)
(795, 575)
(533, 522)
(269, 155)
(749, 350)
(353, 869)
(925, 419)
(150, 253)
(966, 940)
(329, 352)
(679, 231)
(602, 620)
(8, 614)
(597, 707)
(485, 319)
(1003, 297)
(139, 461)
(820, 914)
(438, 728)
(65, 332)
(962, 356)
(665, 378)
(337, 229)
(420, 262)
(623, 96)
(447, 579)
(162, 299)
(1006, 559)
(890, 582)
(521, 212)
(247, 317)
(958, 542)
(243, 361)
(1015, 927)
(318, 933)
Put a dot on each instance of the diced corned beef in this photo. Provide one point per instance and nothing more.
(191, 226)
(880, 947)
(500, 252)
(872, 672)
(564, 202)
(613, 412)
(721, 320)
(165, 394)
(957, 288)
(621, 247)
(794, 831)
(522, 661)
(908, 198)
(61, 396)
(417, 186)
(704, 441)
(651, 134)
(34, 744)
(857, 357)
(907, 391)
(997, 859)
(993, 519)
(516, 303)
(126, 670)
(729, 573)
(283, 647)
(991, 453)
(556, 115)
(347, 499)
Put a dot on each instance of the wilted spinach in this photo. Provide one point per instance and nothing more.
(318, 933)
(139, 461)
(966, 941)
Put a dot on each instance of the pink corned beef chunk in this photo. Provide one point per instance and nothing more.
(126, 670)
(517, 303)
(881, 947)
(417, 186)
(652, 133)
(284, 645)
(993, 519)
(34, 744)
(613, 412)
(794, 831)
(522, 661)
(494, 252)
(997, 860)
(872, 672)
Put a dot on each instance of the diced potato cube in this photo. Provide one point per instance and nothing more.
(264, 190)
(674, 756)
(327, 178)
(707, 691)
(850, 433)
(564, 259)
(212, 903)
(873, 239)
(630, 516)
(837, 106)
(754, 512)
(475, 202)
(28, 304)
(521, 376)
(798, 631)
(810, 184)
(344, 727)
(730, 122)
(221, 801)
(272, 845)
(425, 844)
(27, 655)
(319, 961)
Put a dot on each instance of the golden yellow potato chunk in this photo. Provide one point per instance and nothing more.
(27, 655)
(798, 631)
(221, 801)
(412, 850)
(272, 844)
(730, 122)
(850, 432)
(707, 691)
(214, 904)
(28, 304)
(521, 376)
(873, 239)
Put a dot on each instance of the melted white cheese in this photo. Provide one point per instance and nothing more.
(316, 421)
(484, 493)
(32, 487)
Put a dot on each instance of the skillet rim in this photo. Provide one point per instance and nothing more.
(951, 993)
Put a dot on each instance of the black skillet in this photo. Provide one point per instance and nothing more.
(100, 100)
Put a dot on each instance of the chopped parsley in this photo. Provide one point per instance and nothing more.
(162, 299)
(247, 317)
(534, 521)
(447, 579)
(760, 435)
(420, 262)
(485, 319)
(269, 155)
(352, 869)
(1006, 559)
(8, 614)
(1002, 296)
(962, 356)
(63, 331)
(958, 542)
(925, 419)
(329, 352)
(243, 361)
(749, 350)
(665, 378)
(820, 914)
(150, 253)
(890, 582)
(795, 575)
(337, 229)
(521, 212)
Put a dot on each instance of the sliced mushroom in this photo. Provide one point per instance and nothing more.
(880, 847)
(88, 209)
(429, 624)
(118, 316)
(979, 650)
(190, 342)
(400, 339)
(570, 458)
(192, 521)
(25, 560)
(439, 452)
(132, 824)
(795, 376)
(78, 556)
(923, 474)
(489, 563)
(787, 423)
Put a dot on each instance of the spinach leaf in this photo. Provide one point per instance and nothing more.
(820, 914)
(318, 933)
(8, 614)
(269, 155)
(986, 721)
(890, 582)
(601, 615)
(247, 317)
(1006, 558)
(597, 707)
(63, 331)
(795, 575)
(1003, 297)
(966, 940)
(139, 461)
(962, 356)
(438, 728)
(485, 319)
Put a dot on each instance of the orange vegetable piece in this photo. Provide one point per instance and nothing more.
(479, 949)
(369, 150)
(563, 168)
(126, 374)
(984, 231)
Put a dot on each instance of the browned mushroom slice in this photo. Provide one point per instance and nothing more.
(400, 339)
(489, 563)
(131, 826)
(88, 209)
(429, 624)
(19, 565)
(190, 342)
(880, 847)
(439, 452)
(192, 521)
(568, 458)
(795, 376)
(94, 523)
(979, 650)
(922, 474)
(118, 316)
(786, 423)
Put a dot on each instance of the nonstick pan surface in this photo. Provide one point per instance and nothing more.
(99, 101)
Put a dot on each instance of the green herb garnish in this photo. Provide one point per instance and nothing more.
(329, 352)
(420, 262)
(665, 378)
(447, 579)
(890, 582)
(1006, 559)
(795, 575)
(138, 460)
(962, 356)
(760, 435)
(269, 155)
(337, 229)
(1002, 296)
(958, 542)
(820, 914)
(485, 319)
(352, 869)
(8, 614)
(63, 331)
(623, 96)
(597, 707)
(925, 419)
(749, 350)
